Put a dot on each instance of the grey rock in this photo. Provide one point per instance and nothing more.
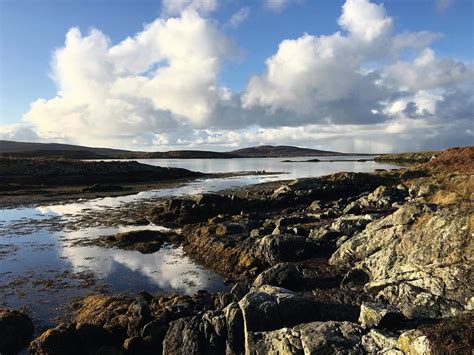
(419, 259)
(270, 308)
(311, 338)
(378, 315)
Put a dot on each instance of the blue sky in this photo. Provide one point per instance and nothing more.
(31, 30)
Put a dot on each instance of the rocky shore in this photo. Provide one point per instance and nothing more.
(349, 263)
(418, 157)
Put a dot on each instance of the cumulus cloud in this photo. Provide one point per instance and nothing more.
(18, 132)
(160, 88)
(152, 81)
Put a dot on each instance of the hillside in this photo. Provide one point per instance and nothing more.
(280, 151)
(69, 151)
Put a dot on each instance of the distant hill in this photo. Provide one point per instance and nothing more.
(69, 151)
(191, 154)
(280, 151)
(12, 146)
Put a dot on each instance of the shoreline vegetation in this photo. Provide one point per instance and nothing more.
(346, 263)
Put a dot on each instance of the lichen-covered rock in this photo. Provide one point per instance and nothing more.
(419, 259)
(378, 341)
(16, 330)
(414, 342)
(310, 338)
(378, 315)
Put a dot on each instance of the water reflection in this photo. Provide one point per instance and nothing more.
(42, 266)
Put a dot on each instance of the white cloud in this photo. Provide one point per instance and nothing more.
(18, 132)
(428, 72)
(160, 88)
(365, 20)
(240, 16)
(150, 82)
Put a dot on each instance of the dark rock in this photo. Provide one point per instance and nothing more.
(239, 290)
(62, 340)
(144, 241)
(103, 188)
(281, 275)
(269, 308)
(353, 208)
(16, 330)
(286, 247)
(355, 279)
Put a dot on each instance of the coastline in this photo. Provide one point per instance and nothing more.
(357, 258)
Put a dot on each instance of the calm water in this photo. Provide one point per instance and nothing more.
(45, 261)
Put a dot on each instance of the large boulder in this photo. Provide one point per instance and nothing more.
(16, 330)
(419, 259)
(286, 247)
(310, 338)
(270, 308)
(284, 275)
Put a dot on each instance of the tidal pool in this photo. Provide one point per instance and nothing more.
(43, 267)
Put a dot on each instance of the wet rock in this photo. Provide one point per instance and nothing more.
(269, 308)
(311, 338)
(281, 275)
(231, 255)
(378, 315)
(179, 211)
(62, 340)
(418, 259)
(105, 311)
(144, 241)
(16, 330)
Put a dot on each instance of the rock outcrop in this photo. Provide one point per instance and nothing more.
(16, 330)
(419, 259)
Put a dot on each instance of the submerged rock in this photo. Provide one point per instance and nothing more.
(144, 241)
(16, 330)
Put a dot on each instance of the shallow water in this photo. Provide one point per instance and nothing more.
(43, 267)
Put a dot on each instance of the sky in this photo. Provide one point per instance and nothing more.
(354, 75)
